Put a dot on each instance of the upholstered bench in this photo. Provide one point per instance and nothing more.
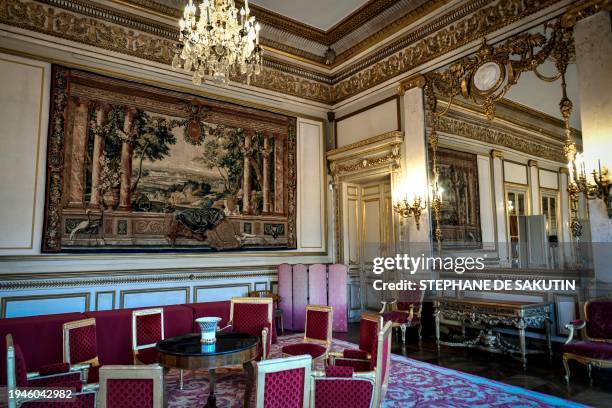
(113, 332)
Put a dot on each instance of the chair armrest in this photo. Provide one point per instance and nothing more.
(54, 368)
(265, 335)
(354, 353)
(573, 327)
(227, 329)
(385, 303)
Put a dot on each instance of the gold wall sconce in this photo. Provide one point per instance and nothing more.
(405, 209)
(599, 187)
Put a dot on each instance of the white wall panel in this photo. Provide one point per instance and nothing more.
(21, 306)
(311, 185)
(25, 105)
(372, 122)
(549, 179)
(487, 220)
(212, 293)
(154, 297)
(515, 173)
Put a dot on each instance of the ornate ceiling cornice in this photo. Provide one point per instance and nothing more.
(456, 28)
(108, 28)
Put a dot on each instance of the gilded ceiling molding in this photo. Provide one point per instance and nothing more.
(583, 9)
(415, 81)
(456, 32)
(507, 138)
(71, 20)
(390, 29)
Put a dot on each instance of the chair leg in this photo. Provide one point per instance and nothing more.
(567, 370)
(403, 327)
(282, 325)
(420, 333)
(181, 380)
(590, 372)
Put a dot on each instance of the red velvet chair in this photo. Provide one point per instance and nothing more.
(147, 331)
(51, 376)
(405, 311)
(369, 325)
(318, 334)
(356, 391)
(284, 383)
(379, 364)
(253, 316)
(81, 348)
(131, 387)
(596, 348)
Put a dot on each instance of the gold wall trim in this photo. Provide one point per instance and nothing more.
(583, 9)
(105, 292)
(127, 292)
(7, 299)
(109, 277)
(498, 135)
(394, 134)
(248, 285)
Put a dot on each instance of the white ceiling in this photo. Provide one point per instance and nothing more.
(322, 14)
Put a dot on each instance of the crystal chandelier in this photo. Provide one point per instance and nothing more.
(219, 42)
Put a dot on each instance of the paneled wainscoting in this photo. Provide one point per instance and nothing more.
(45, 293)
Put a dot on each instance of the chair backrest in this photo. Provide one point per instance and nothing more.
(147, 328)
(250, 314)
(284, 382)
(598, 312)
(408, 298)
(339, 388)
(17, 375)
(80, 343)
(318, 324)
(368, 331)
(131, 386)
(383, 362)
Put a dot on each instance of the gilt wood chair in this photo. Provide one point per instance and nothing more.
(254, 316)
(369, 326)
(147, 331)
(276, 299)
(284, 382)
(405, 311)
(80, 348)
(317, 336)
(596, 347)
(379, 365)
(137, 386)
(48, 377)
(341, 387)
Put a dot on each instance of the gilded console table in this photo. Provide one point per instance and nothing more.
(486, 314)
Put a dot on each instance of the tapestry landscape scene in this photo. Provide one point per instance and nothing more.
(151, 169)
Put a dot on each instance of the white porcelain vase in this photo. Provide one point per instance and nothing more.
(208, 328)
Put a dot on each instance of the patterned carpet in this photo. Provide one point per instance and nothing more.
(412, 384)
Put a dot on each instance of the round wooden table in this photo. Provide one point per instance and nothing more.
(187, 353)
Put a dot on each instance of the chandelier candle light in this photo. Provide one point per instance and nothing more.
(218, 43)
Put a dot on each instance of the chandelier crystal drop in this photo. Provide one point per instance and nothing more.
(218, 41)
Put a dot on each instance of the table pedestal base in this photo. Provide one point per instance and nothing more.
(212, 399)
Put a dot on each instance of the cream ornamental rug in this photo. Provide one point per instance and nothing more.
(412, 383)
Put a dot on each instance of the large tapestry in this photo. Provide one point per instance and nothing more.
(137, 168)
(460, 212)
